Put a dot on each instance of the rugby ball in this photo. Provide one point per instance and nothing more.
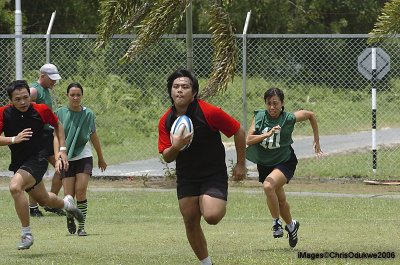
(182, 123)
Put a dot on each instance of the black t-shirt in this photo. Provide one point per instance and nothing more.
(206, 154)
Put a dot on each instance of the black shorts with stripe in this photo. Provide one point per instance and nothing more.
(287, 168)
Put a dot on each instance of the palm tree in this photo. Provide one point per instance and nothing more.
(388, 23)
(155, 18)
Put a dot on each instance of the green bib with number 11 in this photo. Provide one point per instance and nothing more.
(275, 149)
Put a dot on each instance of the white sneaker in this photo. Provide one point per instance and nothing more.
(26, 241)
(70, 207)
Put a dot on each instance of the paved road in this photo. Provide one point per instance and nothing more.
(302, 146)
(293, 193)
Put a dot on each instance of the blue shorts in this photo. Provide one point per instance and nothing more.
(215, 186)
(287, 168)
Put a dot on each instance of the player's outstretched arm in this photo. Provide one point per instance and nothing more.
(256, 138)
(239, 171)
(304, 115)
(24, 135)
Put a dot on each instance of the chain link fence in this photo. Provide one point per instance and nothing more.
(316, 72)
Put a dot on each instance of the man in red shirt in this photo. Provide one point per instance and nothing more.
(22, 123)
(202, 178)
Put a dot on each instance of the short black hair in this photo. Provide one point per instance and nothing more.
(274, 91)
(181, 72)
(17, 84)
(74, 85)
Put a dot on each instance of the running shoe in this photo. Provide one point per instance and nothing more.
(81, 232)
(71, 208)
(277, 230)
(35, 212)
(71, 225)
(293, 235)
(26, 241)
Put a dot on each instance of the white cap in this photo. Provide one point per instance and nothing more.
(51, 71)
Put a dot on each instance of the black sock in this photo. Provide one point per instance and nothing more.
(82, 205)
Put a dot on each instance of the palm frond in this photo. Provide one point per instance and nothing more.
(388, 23)
(225, 52)
(137, 17)
(115, 14)
(160, 18)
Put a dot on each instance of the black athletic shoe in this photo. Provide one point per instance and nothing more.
(58, 211)
(71, 225)
(35, 212)
(277, 230)
(81, 232)
(293, 235)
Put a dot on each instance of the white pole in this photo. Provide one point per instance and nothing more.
(18, 40)
(53, 16)
(245, 70)
(189, 38)
(374, 160)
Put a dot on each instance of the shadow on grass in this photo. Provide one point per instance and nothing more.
(275, 251)
(26, 254)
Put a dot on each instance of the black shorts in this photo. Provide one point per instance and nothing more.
(287, 168)
(215, 186)
(84, 165)
(36, 167)
(47, 140)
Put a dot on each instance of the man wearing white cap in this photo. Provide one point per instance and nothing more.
(40, 94)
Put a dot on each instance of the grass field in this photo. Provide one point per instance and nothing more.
(144, 226)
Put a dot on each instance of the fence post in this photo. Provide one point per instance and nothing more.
(18, 40)
(373, 85)
(245, 70)
(189, 38)
(53, 16)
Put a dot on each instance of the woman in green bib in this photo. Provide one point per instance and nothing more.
(80, 129)
(269, 141)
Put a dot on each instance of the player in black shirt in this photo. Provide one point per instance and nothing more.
(202, 179)
(22, 123)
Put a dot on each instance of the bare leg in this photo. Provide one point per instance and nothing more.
(284, 207)
(274, 181)
(56, 183)
(21, 181)
(45, 198)
(32, 201)
(212, 209)
(81, 184)
(190, 210)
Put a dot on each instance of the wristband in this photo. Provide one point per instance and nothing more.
(63, 148)
(13, 140)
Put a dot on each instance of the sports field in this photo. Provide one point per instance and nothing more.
(137, 222)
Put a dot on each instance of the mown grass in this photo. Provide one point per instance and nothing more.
(352, 164)
(145, 227)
